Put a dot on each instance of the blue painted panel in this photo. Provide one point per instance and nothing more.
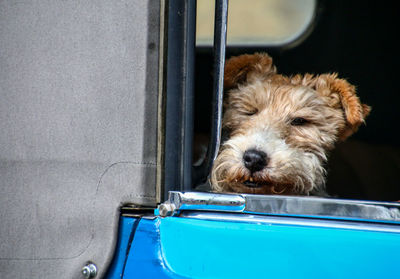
(145, 259)
(176, 247)
(125, 233)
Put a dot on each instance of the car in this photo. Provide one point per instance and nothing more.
(101, 103)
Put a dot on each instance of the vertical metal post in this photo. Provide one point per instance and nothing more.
(220, 33)
(179, 87)
(188, 100)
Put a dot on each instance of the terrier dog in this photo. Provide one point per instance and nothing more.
(281, 128)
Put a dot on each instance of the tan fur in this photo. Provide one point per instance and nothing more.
(260, 106)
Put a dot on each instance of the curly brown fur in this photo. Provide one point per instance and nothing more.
(293, 121)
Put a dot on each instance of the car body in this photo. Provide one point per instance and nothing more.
(100, 104)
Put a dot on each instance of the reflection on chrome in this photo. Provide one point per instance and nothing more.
(282, 205)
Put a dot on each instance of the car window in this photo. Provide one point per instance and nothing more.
(259, 22)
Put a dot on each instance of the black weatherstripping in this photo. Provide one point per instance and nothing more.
(179, 88)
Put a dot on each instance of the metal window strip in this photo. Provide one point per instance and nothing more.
(220, 33)
(308, 207)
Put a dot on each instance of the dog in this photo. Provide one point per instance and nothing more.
(281, 128)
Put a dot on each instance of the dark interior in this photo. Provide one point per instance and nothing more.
(356, 39)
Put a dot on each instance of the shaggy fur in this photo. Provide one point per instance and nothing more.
(294, 121)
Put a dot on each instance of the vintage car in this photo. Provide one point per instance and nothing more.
(101, 102)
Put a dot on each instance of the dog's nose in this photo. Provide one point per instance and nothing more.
(255, 160)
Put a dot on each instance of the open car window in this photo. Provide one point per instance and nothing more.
(364, 167)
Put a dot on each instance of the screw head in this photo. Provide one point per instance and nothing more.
(89, 270)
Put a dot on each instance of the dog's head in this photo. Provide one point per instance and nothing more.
(280, 128)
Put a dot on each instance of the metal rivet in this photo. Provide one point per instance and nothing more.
(89, 270)
(166, 209)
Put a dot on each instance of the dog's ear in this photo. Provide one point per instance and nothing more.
(343, 95)
(246, 68)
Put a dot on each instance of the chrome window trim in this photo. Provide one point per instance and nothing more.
(295, 206)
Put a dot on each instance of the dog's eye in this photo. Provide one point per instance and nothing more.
(299, 121)
(250, 113)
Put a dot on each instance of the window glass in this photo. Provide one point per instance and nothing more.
(257, 22)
